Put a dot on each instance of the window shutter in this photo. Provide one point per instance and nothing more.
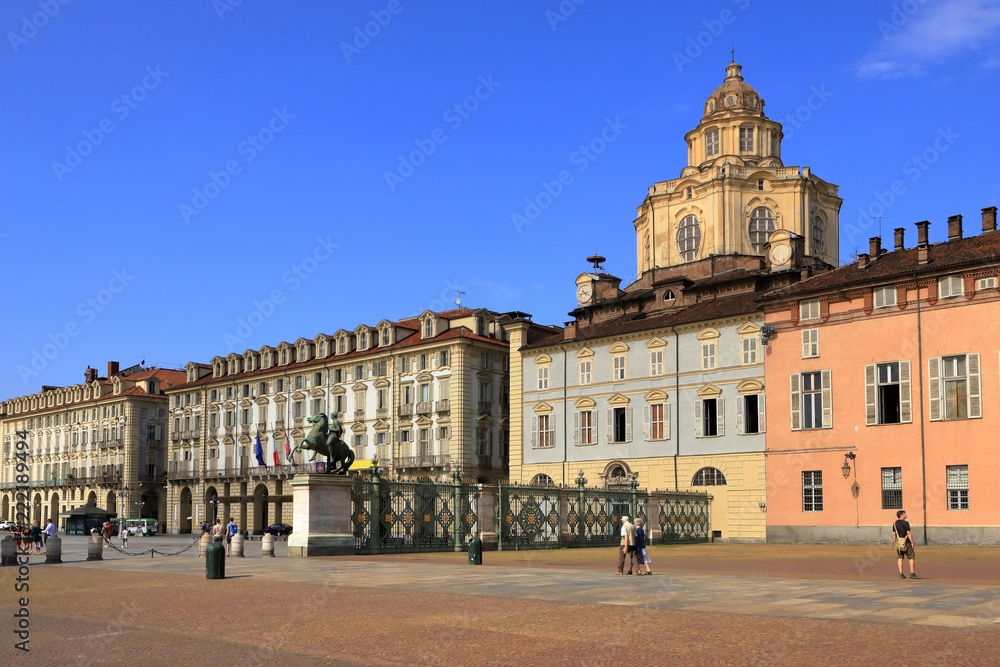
(739, 415)
(628, 424)
(975, 399)
(805, 344)
(611, 425)
(666, 421)
(934, 387)
(697, 418)
(905, 409)
(761, 412)
(645, 422)
(534, 431)
(720, 414)
(827, 380)
(576, 428)
(795, 401)
(871, 396)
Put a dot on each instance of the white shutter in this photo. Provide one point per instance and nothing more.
(576, 428)
(975, 398)
(611, 425)
(934, 387)
(645, 423)
(720, 414)
(795, 401)
(905, 409)
(697, 418)
(805, 344)
(666, 421)
(593, 426)
(827, 383)
(761, 414)
(739, 414)
(534, 431)
(628, 424)
(871, 396)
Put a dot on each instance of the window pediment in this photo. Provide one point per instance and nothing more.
(381, 383)
(542, 408)
(750, 387)
(584, 353)
(358, 427)
(618, 348)
(656, 396)
(543, 359)
(424, 377)
(260, 401)
(749, 328)
(655, 343)
(585, 403)
(423, 421)
(359, 386)
(708, 334)
(618, 400)
(709, 391)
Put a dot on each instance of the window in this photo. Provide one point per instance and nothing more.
(709, 477)
(280, 384)
(750, 414)
(262, 388)
(317, 379)
(760, 185)
(379, 368)
(774, 143)
(481, 326)
(443, 358)
(543, 377)
(656, 362)
(818, 235)
(297, 409)
(689, 192)
(950, 286)
(342, 345)
(810, 343)
(586, 367)
(809, 309)
(585, 427)
(746, 139)
(363, 341)
(542, 480)
(338, 404)
(954, 387)
(885, 297)
(812, 490)
(709, 417)
(986, 283)
(711, 143)
(887, 393)
(620, 424)
(385, 336)
(359, 372)
(543, 434)
(749, 345)
(618, 367)
(892, 488)
(404, 364)
(708, 355)
(689, 238)
(484, 360)
(958, 487)
(811, 400)
(658, 421)
(761, 227)
(404, 436)
(338, 375)
(429, 328)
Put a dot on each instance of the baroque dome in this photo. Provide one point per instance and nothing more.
(734, 95)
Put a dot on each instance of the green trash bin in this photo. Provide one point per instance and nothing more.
(475, 551)
(215, 561)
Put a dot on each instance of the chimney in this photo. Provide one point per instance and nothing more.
(570, 330)
(875, 246)
(862, 260)
(90, 374)
(922, 233)
(900, 231)
(954, 227)
(112, 369)
(989, 220)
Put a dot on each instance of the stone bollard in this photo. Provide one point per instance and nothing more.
(236, 546)
(95, 548)
(203, 543)
(267, 545)
(53, 549)
(8, 551)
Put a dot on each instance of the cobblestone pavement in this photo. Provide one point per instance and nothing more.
(381, 611)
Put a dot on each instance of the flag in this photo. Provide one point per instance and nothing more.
(288, 451)
(259, 452)
(274, 451)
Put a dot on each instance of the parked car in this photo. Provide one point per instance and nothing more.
(6, 525)
(279, 529)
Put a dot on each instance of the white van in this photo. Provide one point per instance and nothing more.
(142, 526)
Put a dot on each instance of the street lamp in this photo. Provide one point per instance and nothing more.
(846, 468)
(213, 503)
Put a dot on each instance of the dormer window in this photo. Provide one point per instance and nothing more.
(746, 140)
(711, 143)
(385, 336)
(481, 326)
(363, 341)
(342, 345)
(429, 328)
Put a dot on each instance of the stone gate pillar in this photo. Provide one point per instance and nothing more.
(487, 517)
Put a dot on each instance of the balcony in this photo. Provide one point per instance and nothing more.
(230, 430)
(175, 436)
(443, 405)
(261, 426)
(425, 407)
(406, 410)
(381, 413)
(425, 461)
(298, 422)
(178, 472)
(359, 415)
(485, 407)
(108, 444)
(279, 424)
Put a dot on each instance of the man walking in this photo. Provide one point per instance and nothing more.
(627, 548)
(902, 538)
(48, 531)
(231, 529)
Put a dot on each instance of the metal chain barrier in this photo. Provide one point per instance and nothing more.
(152, 552)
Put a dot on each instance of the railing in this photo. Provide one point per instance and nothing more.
(425, 407)
(359, 415)
(261, 426)
(444, 405)
(406, 410)
(425, 461)
(279, 424)
(146, 477)
(486, 407)
(106, 444)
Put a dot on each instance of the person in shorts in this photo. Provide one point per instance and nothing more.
(901, 528)
(124, 537)
(640, 546)
(231, 529)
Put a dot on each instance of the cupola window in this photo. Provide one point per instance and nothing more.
(746, 140)
(711, 143)
(689, 238)
(761, 227)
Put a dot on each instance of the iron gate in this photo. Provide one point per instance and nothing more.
(684, 517)
(528, 516)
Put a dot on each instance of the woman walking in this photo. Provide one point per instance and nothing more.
(640, 546)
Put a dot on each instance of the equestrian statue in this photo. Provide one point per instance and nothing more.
(324, 438)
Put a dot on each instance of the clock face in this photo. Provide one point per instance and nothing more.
(583, 293)
(780, 254)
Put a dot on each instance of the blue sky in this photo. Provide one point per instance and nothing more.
(171, 169)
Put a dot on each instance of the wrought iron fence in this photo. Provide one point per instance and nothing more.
(528, 516)
(684, 517)
(394, 516)
(594, 515)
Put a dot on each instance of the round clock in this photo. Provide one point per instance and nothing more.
(583, 293)
(780, 254)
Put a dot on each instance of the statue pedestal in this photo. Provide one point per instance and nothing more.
(321, 519)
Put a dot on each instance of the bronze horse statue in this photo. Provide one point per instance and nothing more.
(326, 441)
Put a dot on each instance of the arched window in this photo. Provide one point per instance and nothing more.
(709, 477)
(689, 238)
(617, 475)
(818, 235)
(761, 227)
(542, 480)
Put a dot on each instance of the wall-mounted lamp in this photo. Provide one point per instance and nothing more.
(762, 505)
(846, 468)
(766, 333)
